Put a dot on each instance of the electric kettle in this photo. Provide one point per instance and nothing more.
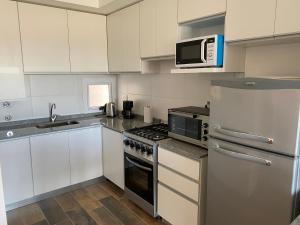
(111, 109)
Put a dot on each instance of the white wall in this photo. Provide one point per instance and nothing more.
(163, 91)
(280, 60)
(67, 91)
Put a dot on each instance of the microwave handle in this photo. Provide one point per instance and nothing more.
(203, 43)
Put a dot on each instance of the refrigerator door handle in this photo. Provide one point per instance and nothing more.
(242, 156)
(243, 135)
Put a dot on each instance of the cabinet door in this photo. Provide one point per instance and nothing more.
(249, 19)
(148, 28)
(189, 10)
(88, 42)
(11, 69)
(44, 33)
(166, 23)
(174, 208)
(131, 39)
(85, 154)
(16, 170)
(115, 39)
(113, 156)
(50, 162)
(287, 17)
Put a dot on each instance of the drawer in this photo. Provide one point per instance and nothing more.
(176, 209)
(183, 165)
(179, 183)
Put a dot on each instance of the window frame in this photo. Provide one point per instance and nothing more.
(88, 93)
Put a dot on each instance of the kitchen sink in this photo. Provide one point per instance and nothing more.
(57, 124)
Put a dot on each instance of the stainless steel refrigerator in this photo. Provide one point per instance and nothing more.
(253, 156)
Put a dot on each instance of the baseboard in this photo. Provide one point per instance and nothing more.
(52, 194)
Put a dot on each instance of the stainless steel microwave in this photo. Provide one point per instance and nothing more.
(205, 51)
(189, 124)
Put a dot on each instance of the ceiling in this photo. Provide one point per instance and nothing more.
(103, 7)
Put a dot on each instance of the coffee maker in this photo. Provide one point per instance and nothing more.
(127, 109)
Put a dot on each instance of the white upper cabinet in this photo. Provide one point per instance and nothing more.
(15, 164)
(11, 68)
(114, 33)
(131, 38)
(44, 34)
(287, 17)
(123, 40)
(88, 42)
(148, 28)
(158, 28)
(246, 20)
(85, 154)
(189, 10)
(166, 27)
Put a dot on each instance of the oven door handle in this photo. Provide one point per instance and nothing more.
(138, 165)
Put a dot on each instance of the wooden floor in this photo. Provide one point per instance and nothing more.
(102, 203)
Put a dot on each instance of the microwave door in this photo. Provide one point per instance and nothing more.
(188, 54)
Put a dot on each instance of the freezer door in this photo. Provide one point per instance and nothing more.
(266, 119)
(248, 186)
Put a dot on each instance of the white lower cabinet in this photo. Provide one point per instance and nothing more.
(50, 162)
(176, 209)
(113, 156)
(85, 154)
(181, 197)
(15, 164)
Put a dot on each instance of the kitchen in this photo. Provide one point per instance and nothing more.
(149, 112)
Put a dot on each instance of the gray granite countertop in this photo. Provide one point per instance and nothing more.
(185, 149)
(28, 127)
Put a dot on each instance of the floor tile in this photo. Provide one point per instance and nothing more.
(43, 222)
(121, 212)
(112, 189)
(96, 192)
(52, 211)
(104, 217)
(80, 217)
(85, 201)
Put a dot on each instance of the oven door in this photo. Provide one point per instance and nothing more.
(185, 126)
(139, 177)
(191, 53)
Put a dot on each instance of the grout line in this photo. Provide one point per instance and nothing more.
(68, 217)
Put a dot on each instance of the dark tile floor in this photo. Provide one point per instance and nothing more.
(99, 204)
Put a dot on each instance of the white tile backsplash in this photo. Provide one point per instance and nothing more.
(64, 90)
(163, 91)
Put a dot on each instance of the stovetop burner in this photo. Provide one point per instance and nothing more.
(154, 132)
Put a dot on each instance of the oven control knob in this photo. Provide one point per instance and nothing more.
(149, 151)
(126, 142)
(205, 138)
(205, 132)
(131, 143)
(137, 146)
(205, 125)
(143, 148)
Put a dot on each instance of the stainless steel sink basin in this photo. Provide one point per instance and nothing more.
(57, 124)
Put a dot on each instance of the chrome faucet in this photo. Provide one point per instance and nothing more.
(52, 116)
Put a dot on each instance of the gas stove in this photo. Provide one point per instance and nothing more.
(143, 142)
(156, 132)
(140, 162)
